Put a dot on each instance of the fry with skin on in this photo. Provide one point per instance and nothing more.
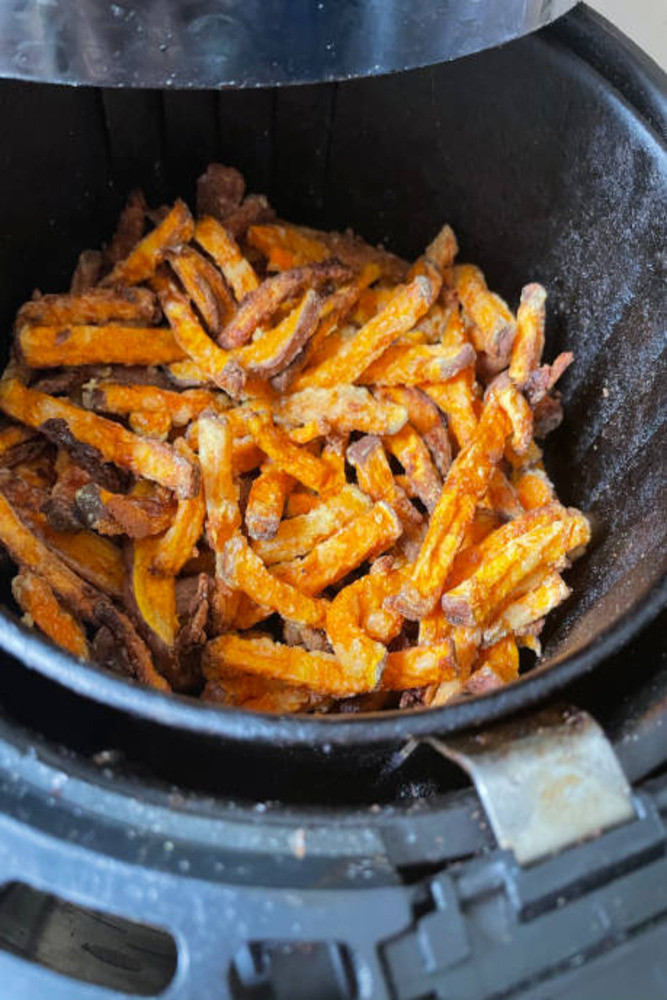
(52, 346)
(498, 665)
(300, 532)
(266, 503)
(221, 246)
(83, 599)
(343, 408)
(374, 475)
(219, 365)
(427, 420)
(477, 599)
(96, 306)
(148, 459)
(88, 271)
(494, 326)
(137, 515)
(466, 482)
(275, 349)
(204, 285)
(529, 341)
(411, 451)
(35, 597)
(408, 304)
(365, 536)
(142, 262)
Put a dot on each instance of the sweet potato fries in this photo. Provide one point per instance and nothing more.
(282, 469)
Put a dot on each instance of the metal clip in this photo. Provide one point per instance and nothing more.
(546, 781)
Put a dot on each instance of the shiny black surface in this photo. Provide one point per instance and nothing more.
(249, 43)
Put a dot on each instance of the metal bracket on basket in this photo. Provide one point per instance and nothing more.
(546, 781)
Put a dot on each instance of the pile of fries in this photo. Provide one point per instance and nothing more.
(280, 468)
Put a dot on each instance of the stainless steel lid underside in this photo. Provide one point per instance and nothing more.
(249, 43)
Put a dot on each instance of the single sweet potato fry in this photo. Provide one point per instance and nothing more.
(374, 475)
(343, 408)
(52, 346)
(204, 286)
(466, 483)
(408, 304)
(129, 230)
(111, 442)
(96, 306)
(494, 326)
(275, 349)
(220, 491)
(458, 401)
(243, 569)
(266, 502)
(410, 450)
(544, 378)
(356, 650)
(478, 598)
(529, 341)
(219, 365)
(364, 537)
(84, 600)
(177, 545)
(142, 262)
(498, 665)
(181, 407)
(152, 595)
(221, 246)
(300, 532)
(299, 463)
(533, 488)
(417, 666)
(414, 365)
(35, 597)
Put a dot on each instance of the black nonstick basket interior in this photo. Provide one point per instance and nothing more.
(545, 168)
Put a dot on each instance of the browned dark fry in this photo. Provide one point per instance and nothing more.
(313, 639)
(120, 514)
(60, 509)
(19, 445)
(204, 286)
(547, 415)
(194, 612)
(88, 271)
(545, 377)
(260, 305)
(130, 228)
(282, 381)
(67, 381)
(97, 305)
(357, 253)
(220, 191)
(108, 653)
(254, 211)
(86, 455)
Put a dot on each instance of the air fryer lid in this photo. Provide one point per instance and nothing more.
(250, 43)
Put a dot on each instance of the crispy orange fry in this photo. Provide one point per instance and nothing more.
(182, 407)
(441, 251)
(152, 425)
(412, 453)
(466, 482)
(375, 477)
(266, 503)
(87, 602)
(52, 346)
(478, 598)
(494, 326)
(534, 488)
(529, 341)
(498, 665)
(419, 665)
(223, 248)
(458, 401)
(365, 536)
(204, 286)
(517, 409)
(148, 459)
(186, 374)
(357, 651)
(142, 262)
(35, 597)
(413, 365)
(243, 569)
(178, 543)
(501, 497)
(98, 305)
(285, 455)
(405, 308)
(426, 418)
(301, 532)
(344, 408)
(300, 502)
(220, 491)
(528, 608)
(219, 365)
(276, 348)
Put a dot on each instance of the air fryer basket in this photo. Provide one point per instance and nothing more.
(545, 170)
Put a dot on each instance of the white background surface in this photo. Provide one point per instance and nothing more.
(644, 21)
